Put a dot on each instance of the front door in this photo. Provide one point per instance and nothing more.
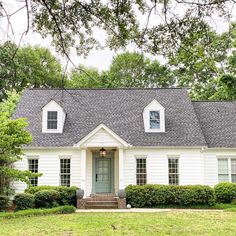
(103, 175)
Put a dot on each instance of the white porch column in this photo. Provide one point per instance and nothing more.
(121, 169)
(83, 171)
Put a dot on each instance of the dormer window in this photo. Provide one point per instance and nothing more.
(52, 120)
(154, 117)
(154, 120)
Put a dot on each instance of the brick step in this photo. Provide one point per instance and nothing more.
(101, 199)
(101, 206)
(93, 203)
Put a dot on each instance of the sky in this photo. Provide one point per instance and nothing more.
(100, 59)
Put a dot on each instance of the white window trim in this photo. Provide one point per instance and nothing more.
(67, 158)
(174, 157)
(229, 158)
(47, 120)
(141, 157)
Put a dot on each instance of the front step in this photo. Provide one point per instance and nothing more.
(101, 201)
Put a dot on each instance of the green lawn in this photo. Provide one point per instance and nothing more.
(164, 223)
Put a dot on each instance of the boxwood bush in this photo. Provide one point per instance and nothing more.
(4, 201)
(24, 201)
(46, 199)
(66, 195)
(225, 192)
(169, 195)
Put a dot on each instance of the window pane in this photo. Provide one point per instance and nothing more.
(233, 166)
(154, 119)
(223, 166)
(223, 178)
(52, 115)
(65, 172)
(173, 164)
(141, 176)
(233, 177)
(33, 167)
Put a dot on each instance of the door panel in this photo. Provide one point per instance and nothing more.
(103, 175)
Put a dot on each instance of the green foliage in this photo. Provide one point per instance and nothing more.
(225, 192)
(8, 105)
(12, 137)
(164, 195)
(4, 202)
(38, 212)
(66, 195)
(24, 201)
(46, 199)
(134, 70)
(27, 67)
(88, 77)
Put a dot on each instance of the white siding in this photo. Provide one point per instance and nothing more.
(190, 165)
(210, 157)
(196, 166)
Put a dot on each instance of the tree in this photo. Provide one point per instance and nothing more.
(12, 137)
(23, 67)
(201, 59)
(88, 77)
(134, 70)
(226, 88)
(126, 70)
(72, 23)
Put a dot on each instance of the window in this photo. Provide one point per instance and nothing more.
(154, 120)
(227, 170)
(173, 166)
(52, 120)
(65, 172)
(33, 167)
(141, 174)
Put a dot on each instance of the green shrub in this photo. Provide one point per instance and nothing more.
(36, 212)
(46, 199)
(66, 195)
(167, 195)
(24, 201)
(233, 202)
(4, 201)
(225, 192)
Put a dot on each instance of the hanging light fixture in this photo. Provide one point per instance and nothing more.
(102, 152)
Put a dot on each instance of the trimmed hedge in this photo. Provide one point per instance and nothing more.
(36, 212)
(4, 202)
(24, 201)
(66, 195)
(225, 192)
(166, 195)
(46, 199)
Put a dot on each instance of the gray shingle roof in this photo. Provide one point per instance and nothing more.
(121, 110)
(218, 122)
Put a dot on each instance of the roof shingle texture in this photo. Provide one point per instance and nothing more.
(121, 110)
(218, 122)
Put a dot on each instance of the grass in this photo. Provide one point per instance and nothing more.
(165, 223)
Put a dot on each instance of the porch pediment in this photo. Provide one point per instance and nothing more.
(102, 136)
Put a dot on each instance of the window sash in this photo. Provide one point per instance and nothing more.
(33, 167)
(173, 170)
(154, 119)
(141, 171)
(227, 169)
(65, 171)
(52, 120)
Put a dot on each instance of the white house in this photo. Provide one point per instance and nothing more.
(102, 140)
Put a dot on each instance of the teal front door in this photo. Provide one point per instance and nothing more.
(103, 175)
